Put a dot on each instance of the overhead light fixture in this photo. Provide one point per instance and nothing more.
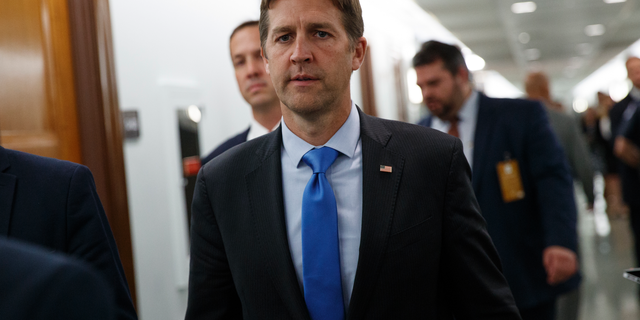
(532, 54)
(523, 7)
(474, 62)
(614, 1)
(594, 30)
(524, 38)
(580, 105)
(194, 113)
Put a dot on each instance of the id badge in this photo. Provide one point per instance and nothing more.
(510, 181)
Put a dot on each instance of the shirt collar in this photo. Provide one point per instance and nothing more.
(345, 140)
(468, 111)
(257, 130)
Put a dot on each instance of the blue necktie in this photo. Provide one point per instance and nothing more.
(320, 248)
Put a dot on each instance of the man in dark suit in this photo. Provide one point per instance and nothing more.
(54, 204)
(39, 285)
(620, 114)
(254, 84)
(520, 178)
(392, 203)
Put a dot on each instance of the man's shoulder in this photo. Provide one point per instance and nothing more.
(406, 136)
(242, 156)
(228, 144)
(23, 163)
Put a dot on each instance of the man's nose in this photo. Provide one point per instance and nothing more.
(254, 68)
(302, 52)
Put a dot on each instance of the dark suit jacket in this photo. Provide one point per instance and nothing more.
(628, 175)
(38, 285)
(424, 250)
(232, 142)
(54, 204)
(546, 216)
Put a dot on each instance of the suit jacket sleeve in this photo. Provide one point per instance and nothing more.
(552, 181)
(212, 293)
(473, 279)
(580, 160)
(89, 237)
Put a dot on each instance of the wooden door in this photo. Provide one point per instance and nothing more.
(37, 99)
(58, 96)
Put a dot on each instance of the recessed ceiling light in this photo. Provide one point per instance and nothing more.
(532, 54)
(523, 7)
(614, 1)
(524, 38)
(594, 30)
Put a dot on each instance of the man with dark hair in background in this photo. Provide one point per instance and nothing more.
(337, 214)
(627, 151)
(520, 177)
(254, 84)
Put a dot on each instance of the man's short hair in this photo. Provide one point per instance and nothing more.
(351, 20)
(432, 51)
(250, 23)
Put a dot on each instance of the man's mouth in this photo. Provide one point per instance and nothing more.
(303, 77)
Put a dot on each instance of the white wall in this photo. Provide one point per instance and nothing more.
(174, 53)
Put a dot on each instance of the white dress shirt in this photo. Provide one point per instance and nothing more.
(467, 120)
(345, 178)
(257, 130)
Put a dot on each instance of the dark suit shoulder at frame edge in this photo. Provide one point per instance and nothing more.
(21, 161)
(413, 133)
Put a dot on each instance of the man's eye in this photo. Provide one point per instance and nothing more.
(284, 38)
(322, 34)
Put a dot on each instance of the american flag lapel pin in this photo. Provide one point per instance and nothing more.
(387, 169)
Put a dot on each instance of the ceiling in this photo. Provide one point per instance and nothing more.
(558, 44)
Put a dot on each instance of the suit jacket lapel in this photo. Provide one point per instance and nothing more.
(267, 210)
(485, 128)
(7, 189)
(379, 191)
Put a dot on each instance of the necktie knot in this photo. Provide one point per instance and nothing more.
(320, 159)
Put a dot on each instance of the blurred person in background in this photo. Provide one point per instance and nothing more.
(254, 84)
(603, 140)
(520, 177)
(566, 130)
(620, 115)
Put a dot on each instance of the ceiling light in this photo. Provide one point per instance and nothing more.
(475, 62)
(619, 90)
(594, 30)
(194, 113)
(524, 38)
(614, 1)
(576, 62)
(466, 51)
(523, 7)
(532, 54)
(580, 105)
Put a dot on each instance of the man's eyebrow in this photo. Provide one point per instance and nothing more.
(283, 29)
(320, 25)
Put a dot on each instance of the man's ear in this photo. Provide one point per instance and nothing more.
(463, 75)
(359, 53)
(264, 59)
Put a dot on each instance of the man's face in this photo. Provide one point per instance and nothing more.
(633, 70)
(441, 90)
(253, 81)
(308, 55)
